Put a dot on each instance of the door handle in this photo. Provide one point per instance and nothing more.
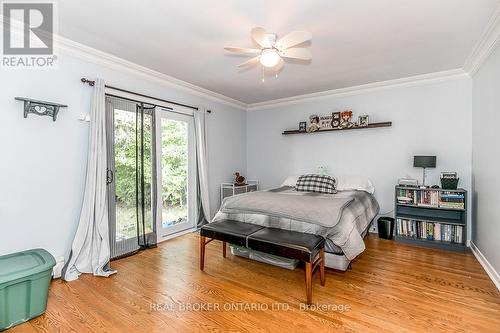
(110, 176)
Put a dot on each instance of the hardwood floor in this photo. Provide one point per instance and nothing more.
(391, 288)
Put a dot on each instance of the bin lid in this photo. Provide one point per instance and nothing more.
(21, 264)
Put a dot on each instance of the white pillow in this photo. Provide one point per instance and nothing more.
(291, 181)
(360, 183)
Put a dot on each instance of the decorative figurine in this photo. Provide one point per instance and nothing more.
(314, 124)
(345, 121)
(323, 170)
(238, 179)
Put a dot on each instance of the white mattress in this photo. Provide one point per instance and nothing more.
(336, 261)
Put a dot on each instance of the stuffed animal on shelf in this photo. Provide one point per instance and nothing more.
(345, 119)
(313, 123)
(239, 180)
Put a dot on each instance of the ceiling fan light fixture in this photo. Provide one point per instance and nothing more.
(272, 52)
(269, 58)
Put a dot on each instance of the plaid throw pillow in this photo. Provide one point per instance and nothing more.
(316, 183)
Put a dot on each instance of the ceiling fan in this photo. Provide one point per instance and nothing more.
(273, 51)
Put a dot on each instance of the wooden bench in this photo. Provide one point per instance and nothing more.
(308, 248)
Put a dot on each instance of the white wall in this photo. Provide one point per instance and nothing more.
(486, 159)
(43, 162)
(432, 119)
(43, 166)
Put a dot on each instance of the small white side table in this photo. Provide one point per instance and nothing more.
(229, 189)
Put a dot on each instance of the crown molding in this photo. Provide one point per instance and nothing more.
(105, 59)
(364, 88)
(488, 42)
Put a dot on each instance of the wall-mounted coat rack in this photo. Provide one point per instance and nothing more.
(40, 108)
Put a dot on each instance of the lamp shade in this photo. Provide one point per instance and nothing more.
(424, 161)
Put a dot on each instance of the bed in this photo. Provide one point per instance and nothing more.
(342, 219)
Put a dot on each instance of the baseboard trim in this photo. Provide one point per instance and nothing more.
(492, 273)
(176, 234)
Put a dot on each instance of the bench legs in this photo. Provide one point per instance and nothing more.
(309, 282)
(310, 268)
(322, 267)
(203, 243)
(202, 252)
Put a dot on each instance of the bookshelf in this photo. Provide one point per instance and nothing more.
(431, 217)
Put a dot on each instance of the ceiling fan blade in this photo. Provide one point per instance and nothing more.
(259, 35)
(242, 50)
(293, 38)
(250, 62)
(297, 53)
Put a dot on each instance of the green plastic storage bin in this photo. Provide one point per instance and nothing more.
(24, 285)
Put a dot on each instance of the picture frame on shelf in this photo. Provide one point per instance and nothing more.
(335, 119)
(325, 122)
(448, 174)
(363, 120)
(302, 126)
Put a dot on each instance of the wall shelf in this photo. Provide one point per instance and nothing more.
(40, 108)
(373, 125)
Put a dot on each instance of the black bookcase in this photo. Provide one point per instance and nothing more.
(426, 214)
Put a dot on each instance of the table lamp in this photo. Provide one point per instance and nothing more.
(424, 162)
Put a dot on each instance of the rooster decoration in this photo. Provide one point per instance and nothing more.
(239, 180)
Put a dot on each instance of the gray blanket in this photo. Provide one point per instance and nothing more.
(343, 237)
(324, 210)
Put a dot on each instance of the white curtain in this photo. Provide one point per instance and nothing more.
(202, 162)
(90, 250)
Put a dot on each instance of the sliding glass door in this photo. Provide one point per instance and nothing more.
(151, 174)
(176, 173)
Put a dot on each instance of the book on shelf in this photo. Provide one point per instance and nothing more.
(429, 230)
(431, 198)
(451, 199)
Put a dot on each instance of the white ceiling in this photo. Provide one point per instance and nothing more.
(354, 41)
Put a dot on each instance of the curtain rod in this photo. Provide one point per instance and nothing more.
(92, 83)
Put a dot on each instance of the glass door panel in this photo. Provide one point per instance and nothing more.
(125, 174)
(176, 173)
